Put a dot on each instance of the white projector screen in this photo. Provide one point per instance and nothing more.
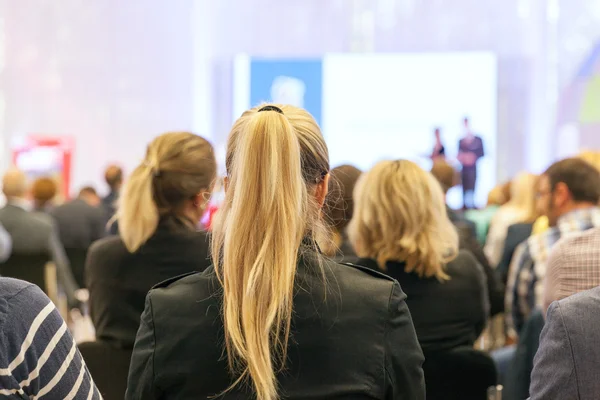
(385, 106)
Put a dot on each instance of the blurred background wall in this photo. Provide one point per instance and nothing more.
(114, 73)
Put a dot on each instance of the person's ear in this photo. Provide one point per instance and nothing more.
(562, 195)
(322, 190)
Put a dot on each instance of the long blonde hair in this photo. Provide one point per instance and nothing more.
(400, 215)
(274, 162)
(522, 197)
(177, 167)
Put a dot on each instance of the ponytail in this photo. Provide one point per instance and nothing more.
(255, 246)
(137, 213)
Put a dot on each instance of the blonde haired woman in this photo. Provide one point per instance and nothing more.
(520, 209)
(274, 318)
(400, 227)
(159, 210)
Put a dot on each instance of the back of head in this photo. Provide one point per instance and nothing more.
(523, 196)
(400, 215)
(89, 195)
(276, 162)
(14, 184)
(178, 166)
(113, 177)
(581, 178)
(43, 190)
(445, 174)
(339, 204)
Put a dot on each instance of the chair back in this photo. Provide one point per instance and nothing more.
(109, 367)
(77, 261)
(459, 374)
(27, 267)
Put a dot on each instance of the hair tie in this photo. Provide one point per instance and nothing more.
(271, 108)
(153, 168)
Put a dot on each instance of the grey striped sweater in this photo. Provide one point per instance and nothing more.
(38, 357)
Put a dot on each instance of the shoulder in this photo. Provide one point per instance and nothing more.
(107, 247)
(464, 258)
(192, 287)
(584, 303)
(23, 299)
(10, 287)
(588, 240)
(365, 266)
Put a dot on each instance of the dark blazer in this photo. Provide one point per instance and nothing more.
(35, 233)
(517, 234)
(446, 314)
(119, 281)
(358, 343)
(79, 224)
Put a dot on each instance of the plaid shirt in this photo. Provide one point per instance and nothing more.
(573, 266)
(525, 289)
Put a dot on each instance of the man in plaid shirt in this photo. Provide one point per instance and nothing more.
(569, 191)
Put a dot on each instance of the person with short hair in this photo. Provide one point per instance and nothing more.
(34, 233)
(273, 318)
(43, 191)
(38, 356)
(570, 191)
(161, 205)
(401, 228)
(80, 223)
(470, 151)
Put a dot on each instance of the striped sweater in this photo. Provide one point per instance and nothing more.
(38, 357)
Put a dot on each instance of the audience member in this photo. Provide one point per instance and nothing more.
(34, 233)
(114, 179)
(566, 364)
(38, 357)
(571, 190)
(338, 210)
(446, 175)
(400, 226)
(483, 217)
(292, 321)
(520, 209)
(161, 205)
(43, 191)
(80, 223)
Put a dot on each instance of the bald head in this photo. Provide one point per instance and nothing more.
(14, 184)
(114, 177)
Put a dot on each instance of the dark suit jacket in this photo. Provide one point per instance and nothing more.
(358, 343)
(79, 224)
(447, 314)
(118, 281)
(517, 234)
(35, 233)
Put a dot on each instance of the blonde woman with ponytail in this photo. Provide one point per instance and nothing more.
(158, 215)
(400, 226)
(273, 318)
